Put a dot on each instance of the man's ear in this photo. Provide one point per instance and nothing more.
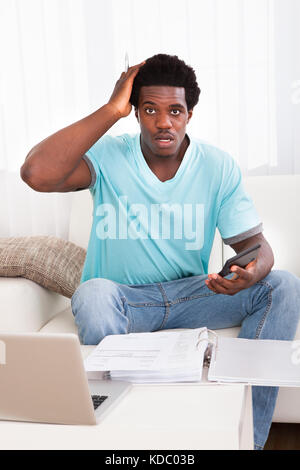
(190, 114)
(136, 113)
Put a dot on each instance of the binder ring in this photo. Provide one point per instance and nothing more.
(208, 352)
(205, 339)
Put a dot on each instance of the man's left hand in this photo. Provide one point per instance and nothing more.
(244, 278)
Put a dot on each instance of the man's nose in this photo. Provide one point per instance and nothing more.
(163, 121)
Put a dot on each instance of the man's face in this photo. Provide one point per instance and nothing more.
(163, 115)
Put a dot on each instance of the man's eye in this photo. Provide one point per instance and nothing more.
(175, 112)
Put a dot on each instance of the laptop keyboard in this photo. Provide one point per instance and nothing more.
(98, 399)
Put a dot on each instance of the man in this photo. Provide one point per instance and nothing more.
(158, 198)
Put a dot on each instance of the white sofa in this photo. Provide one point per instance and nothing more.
(28, 307)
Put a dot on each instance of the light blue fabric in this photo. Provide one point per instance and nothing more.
(145, 230)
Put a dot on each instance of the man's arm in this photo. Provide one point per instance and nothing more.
(254, 272)
(55, 163)
(52, 163)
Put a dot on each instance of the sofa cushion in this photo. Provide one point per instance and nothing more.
(63, 322)
(51, 262)
(26, 307)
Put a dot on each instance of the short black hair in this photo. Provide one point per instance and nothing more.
(167, 70)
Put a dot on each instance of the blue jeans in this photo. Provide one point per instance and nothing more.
(268, 310)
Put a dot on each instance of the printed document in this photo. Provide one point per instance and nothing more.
(165, 354)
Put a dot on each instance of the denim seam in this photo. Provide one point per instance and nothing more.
(146, 304)
(130, 321)
(192, 297)
(262, 321)
(169, 303)
(166, 304)
(257, 445)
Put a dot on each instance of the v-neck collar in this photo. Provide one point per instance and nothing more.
(150, 175)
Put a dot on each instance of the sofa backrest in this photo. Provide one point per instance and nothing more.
(277, 199)
(81, 218)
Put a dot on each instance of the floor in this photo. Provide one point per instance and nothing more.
(283, 437)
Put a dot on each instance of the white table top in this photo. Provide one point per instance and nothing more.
(189, 416)
(175, 416)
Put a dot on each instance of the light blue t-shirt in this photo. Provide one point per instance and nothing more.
(145, 230)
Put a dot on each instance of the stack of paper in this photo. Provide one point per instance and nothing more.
(166, 356)
(179, 356)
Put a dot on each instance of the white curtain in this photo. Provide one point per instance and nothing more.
(246, 55)
(60, 60)
(43, 87)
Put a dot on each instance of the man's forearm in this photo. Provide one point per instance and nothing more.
(55, 157)
(265, 257)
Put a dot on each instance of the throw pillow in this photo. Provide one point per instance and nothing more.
(54, 263)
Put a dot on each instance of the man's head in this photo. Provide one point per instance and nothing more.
(164, 94)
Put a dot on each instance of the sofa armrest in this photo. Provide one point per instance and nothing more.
(26, 306)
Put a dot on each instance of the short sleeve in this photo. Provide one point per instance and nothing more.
(92, 170)
(237, 214)
(94, 158)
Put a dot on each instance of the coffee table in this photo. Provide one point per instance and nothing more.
(162, 417)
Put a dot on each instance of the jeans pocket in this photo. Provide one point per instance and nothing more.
(145, 318)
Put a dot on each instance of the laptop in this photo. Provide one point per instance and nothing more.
(42, 379)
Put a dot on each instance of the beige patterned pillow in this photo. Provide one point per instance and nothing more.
(52, 262)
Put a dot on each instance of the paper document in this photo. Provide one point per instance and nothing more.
(180, 356)
(160, 353)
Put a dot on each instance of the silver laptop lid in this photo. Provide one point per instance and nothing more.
(42, 379)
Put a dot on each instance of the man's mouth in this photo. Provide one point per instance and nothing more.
(164, 141)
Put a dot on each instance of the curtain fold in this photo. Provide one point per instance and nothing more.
(287, 91)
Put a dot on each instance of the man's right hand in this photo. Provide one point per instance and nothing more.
(122, 91)
(65, 148)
